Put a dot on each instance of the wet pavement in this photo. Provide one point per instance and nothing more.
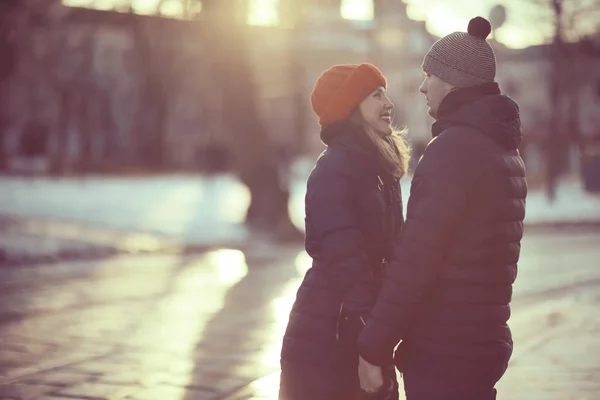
(26, 241)
(209, 325)
(211, 209)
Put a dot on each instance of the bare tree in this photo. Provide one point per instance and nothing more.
(24, 46)
(294, 15)
(153, 108)
(158, 47)
(54, 67)
(255, 159)
(8, 10)
(573, 20)
(374, 39)
(69, 73)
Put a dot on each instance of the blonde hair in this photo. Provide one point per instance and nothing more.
(393, 149)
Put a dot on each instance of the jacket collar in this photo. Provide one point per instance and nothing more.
(460, 97)
(352, 139)
(485, 109)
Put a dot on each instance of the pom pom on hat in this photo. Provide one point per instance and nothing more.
(463, 59)
(479, 27)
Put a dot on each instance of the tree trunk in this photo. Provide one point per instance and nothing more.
(256, 162)
(160, 107)
(3, 127)
(85, 132)
(152, 114)
(58, 158)
(7, 60)
(298, 76)
(108, 127)
(375, 53)
(556, 120)
(151, 124)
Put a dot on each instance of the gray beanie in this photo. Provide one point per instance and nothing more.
(463, 58)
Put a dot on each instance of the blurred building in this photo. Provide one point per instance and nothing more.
(526, 76)
(112, 87)
(115, 85)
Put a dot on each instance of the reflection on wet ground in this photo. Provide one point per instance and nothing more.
(209, 326)
(191, 325)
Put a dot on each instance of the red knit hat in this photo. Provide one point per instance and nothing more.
(341, 88)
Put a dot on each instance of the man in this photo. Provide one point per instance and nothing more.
(446, 294)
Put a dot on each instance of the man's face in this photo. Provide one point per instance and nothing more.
(434, 90)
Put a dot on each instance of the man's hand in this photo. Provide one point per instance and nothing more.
(370, 376)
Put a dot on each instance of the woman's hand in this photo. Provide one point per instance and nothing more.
(370, 376)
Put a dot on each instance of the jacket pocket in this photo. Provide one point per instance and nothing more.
(349, 329)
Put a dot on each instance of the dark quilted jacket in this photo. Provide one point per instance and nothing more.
(353, 211)
(446, 294)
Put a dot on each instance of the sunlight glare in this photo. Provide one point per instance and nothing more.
(303, 262)
(230, 265)
(518, 38)
(442, 20)
(192, 295)
(136, 243)
(357, 9)
(235, 205)
(197, 292)
(172, 8)
(103, 4)
(265, 388)
(263, 12)
(296, 210)
(268, 387)
(444, 17)
(78, 3)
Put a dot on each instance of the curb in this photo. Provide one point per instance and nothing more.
(88, 242)
(8, 260)
(90, 250)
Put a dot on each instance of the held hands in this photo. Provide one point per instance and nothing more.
(370, 376)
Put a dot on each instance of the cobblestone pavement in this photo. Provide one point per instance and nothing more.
(144, 327)
(208, 326)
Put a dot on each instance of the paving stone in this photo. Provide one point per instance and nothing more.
(220, 384)
(23, 391)
(96, 390)
(123, 378)
(174, 393)
(96, 368)
(159, 328)
(58, 378)
(14, 359)
(54, 398)
(264, 388)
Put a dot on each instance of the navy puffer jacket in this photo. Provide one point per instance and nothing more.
(446, 294)
(353, 212)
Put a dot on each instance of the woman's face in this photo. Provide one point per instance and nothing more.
(376, 110)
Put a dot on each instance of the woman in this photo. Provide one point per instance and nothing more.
(353, 212)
